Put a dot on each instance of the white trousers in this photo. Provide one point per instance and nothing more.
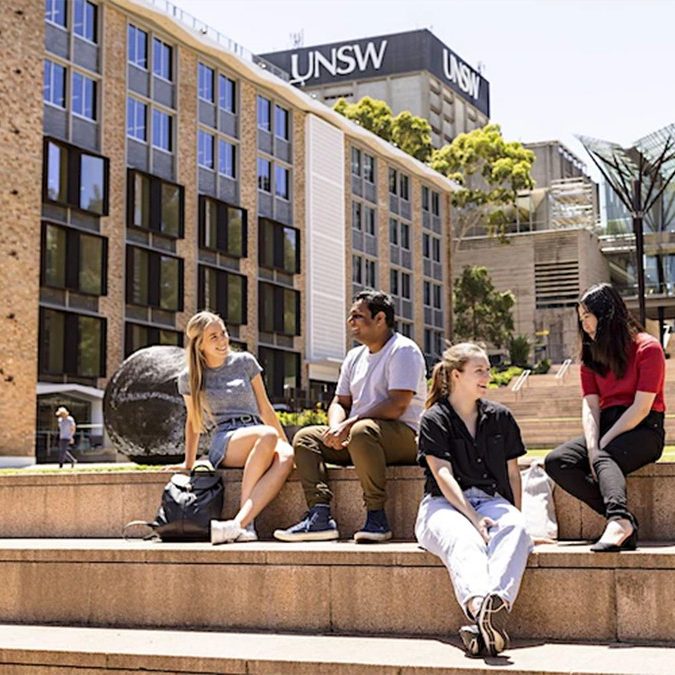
(476, 568)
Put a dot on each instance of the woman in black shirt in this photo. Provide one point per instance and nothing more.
(470, 515)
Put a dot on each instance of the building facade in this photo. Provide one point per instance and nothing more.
(159, 170)
(411, 71)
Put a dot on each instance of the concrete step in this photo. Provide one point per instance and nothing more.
(52, 649)
(98, 504)
(568, 593)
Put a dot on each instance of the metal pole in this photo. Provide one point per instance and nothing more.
(639, 248)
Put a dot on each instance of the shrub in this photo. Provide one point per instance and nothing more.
(542, 367)
(519, 350)
(304, 418)
(502, 378)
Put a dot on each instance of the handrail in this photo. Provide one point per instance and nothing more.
(520, 382)
(562, 372)
(667, 334)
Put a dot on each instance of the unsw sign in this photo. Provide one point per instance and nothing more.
(386, 55)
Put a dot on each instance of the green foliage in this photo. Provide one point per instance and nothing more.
(481, 312)
(502, 378)
(490, 172)
(407, 132)
(304, 418)
(519, 350)
(542, 367)
(412, 135)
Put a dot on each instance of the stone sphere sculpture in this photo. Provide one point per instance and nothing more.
(143, 412)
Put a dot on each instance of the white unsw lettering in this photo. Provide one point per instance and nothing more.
(343, 60)
(461, 75)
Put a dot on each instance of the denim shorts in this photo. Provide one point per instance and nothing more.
(222, 434)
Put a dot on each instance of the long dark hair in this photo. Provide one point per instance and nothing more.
(616, 330)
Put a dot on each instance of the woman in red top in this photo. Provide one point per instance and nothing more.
(622, 374)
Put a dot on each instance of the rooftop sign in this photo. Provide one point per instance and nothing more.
(382, 56)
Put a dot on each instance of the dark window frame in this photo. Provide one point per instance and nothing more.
(73, 259)
(73, 173)
(279, 307)
(71, 342)
(223, 293)
(154, 280)
(152, 332)
(278, 247)
(222, 209)
(155, 215)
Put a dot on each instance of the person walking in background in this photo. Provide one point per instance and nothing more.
(67, 429)
(373, 420)
(224, 388)
(470, 514)
(622, 379)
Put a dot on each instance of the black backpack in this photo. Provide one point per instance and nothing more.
(189, 504)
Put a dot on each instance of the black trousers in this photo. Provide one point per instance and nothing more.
(569, 467)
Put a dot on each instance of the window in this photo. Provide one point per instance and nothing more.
(55, 12)
(393, 231)
(222, 227)
(161, 59)
(73, 260)
(281, 186)
(205, 84)
(227, 94)
(84, 19)
(227, 161)
(406, 329)
(281, 123)
(405, 285)
(357, 269)
(404, 192)
(264, 114)
(136, 119)
(427, 294)
(370, 274)
(436, 249)
(205, 149)
(279, 246)
(425, 198)
(405, 236)
(369, 218)
(71, 344)
(162, 137)
(356, 162)
(84, 96)
(154, 279)
(155, 204)
(281, 372)
(356, 216)
(426, 245)
(393, 182)
(54, 84)
(279, 309)
(437, 297)
(435, 203)
(75, 178)
(427, 341)
(368, 168)
(223, 293)
(264, 175)
(137, 46)
(393, 282)
(137, 337)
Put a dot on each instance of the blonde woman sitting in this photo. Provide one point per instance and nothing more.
(469, 516)
(224, 388)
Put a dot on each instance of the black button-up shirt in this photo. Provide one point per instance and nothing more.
(479, 462)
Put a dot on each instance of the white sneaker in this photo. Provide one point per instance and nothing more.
(225, 531)
(247, 534)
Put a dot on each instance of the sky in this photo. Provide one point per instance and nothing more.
(556, 68)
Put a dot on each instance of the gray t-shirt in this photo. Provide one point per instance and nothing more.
(368, 378)
(228, 388)
(66, 427)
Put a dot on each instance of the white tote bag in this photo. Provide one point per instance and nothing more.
(538, 505)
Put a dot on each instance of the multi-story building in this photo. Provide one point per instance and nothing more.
(159, 170)
(553, 237)
(411, 71)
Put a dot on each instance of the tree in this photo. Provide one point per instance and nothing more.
(407, 132)
(412, 135)
(481, 312)
(371, 114)
(490, 172)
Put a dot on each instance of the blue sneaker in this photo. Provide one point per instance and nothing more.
(317, 525)
(375, 529)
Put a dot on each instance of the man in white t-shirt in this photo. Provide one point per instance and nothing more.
(373, 421)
